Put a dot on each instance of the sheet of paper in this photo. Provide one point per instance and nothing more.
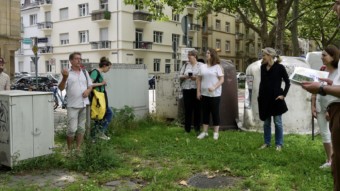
(301, 74)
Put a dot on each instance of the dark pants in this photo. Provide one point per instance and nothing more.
(211, 105)
(334, 125)
(191, 105)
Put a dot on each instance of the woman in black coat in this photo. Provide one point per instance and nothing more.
(271, 96)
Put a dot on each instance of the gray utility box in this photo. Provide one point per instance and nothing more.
(26, 125)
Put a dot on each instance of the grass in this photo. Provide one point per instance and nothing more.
(159, 156)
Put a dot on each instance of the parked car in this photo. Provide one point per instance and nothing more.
(241, 76)
(152, 82)
(29, 83)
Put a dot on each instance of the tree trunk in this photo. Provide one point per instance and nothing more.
(294, 29)
(280, 25)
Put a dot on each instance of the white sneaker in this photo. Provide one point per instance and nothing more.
(103, 136)
(215, 136)
(326, 165)
(202, 135)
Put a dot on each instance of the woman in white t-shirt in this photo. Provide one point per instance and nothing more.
(209, 89)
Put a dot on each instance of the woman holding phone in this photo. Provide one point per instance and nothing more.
(188, 76)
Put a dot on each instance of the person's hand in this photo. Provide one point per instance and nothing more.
(281, 97)
(193, 78)
(64, 73)
(314, 111)
(103, 82)
(327, 80)
(86, 93)
(327, 116)
(211, 89)
(311, 87)
(199, 97)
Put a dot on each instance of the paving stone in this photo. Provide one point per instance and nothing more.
(202, 181)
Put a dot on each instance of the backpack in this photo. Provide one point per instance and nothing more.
(98, 101)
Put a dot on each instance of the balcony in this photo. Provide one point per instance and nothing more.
(239, 36)
(250, 36)
(192, 6)
(105, 44)
(238, 19)
(45, 3)
(207, 30)
(101, 16)
(142, 16)
(45, 26)
(45, 49)
(142, 45)
(194, 27)
(239, 53)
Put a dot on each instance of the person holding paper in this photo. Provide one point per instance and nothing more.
(330, 59)
(333, 110)
(271, 96)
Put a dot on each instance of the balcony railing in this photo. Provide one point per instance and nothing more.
(142, 45)
(45, 2)
(239, 53)
(207, 30)
(45, 25)
(239, 36)
(194, 27)
(105, 44)
(45, 49)
(101, 15)
(142, 16)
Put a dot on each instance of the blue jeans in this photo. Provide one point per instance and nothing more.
(278, 130)
(103, 124)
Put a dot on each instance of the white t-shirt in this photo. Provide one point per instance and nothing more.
(209, 79)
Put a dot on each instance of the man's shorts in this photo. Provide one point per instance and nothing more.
(76, 121)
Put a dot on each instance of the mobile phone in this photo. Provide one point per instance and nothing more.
(189, 74)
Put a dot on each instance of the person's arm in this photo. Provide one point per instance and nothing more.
(315, 87)
(62, 84)
(287, 84)
(7, 86)
(313, 105)
(198, 82)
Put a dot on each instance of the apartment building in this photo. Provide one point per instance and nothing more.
(125, 34)
(9, 32)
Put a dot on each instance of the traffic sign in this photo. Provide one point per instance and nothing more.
(184, 53)
(42, 40)
(27, 41)
(33, 59)
(35, 49)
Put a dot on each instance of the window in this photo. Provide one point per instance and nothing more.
(33, 19)
(48, 66)
(167, 68)
(63, 64)
(21, 66)
(83, 36)
(227, 27)
(32, 66)
(218, 44)
(157, 37)
(175, 17)
(63, 13)
(190, 42)
(176, 66)
(83, 9)
(175, 38)
(104, 5)
(156, 64)
(218, 24)
(64, 39)
(139, 60)
(227, 46)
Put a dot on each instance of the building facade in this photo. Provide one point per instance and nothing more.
(9, 32)
(126, 34)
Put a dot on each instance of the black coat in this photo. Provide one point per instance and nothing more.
(270, 89)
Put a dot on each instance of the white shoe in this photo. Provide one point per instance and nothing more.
(202, 135)
(215, 136)
(326, 165)
(103, 136)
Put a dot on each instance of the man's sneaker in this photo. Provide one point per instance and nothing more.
(215, 136)
(264, 146)
(326, 165)
(278, 147)
(103, 136)
(202, 135)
